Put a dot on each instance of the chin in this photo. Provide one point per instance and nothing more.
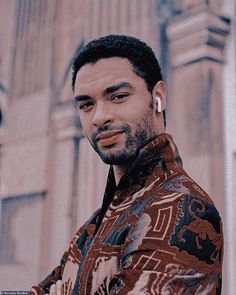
(119, 157)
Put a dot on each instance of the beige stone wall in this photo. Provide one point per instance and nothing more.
(229, 107)
(50, 179)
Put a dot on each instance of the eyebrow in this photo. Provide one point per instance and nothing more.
(108, 90)
(79, 98)
(116, 87)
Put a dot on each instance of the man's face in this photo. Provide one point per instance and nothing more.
(115, 109)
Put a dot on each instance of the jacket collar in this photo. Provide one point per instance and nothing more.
(161, 152)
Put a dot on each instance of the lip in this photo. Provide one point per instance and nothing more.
(108, 138)
(107, 134)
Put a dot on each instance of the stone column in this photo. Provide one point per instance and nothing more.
(197, 38)
(62, 165)
(230, 151)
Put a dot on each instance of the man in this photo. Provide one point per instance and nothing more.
(157, 231)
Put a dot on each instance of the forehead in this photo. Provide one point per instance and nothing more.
(104, 73)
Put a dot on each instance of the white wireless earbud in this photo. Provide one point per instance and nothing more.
(158, 99)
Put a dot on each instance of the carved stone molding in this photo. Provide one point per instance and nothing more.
(201, 35)
(185, 5)
(65, 120)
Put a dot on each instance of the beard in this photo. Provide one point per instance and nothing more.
(134, 142)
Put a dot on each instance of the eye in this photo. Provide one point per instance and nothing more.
(86, 106)
(119, 97)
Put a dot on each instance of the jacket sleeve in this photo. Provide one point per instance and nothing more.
(44, 286)
(173, 250)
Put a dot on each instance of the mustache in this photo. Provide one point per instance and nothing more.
(124, 128)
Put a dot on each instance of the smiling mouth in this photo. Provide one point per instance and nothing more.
(108, 138)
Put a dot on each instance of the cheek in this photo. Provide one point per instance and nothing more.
(136, 116)
(86, 120)
(86, 125)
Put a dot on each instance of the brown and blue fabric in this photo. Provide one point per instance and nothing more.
(157, 232)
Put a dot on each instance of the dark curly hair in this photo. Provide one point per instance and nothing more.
(139, 54)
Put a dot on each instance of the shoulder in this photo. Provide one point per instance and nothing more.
(180, 182)
(198, 233)
(197, 215)
(184, 216)
(187, 227)
(180, 192)
(187, 209)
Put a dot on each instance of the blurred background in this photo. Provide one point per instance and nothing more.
(50, 179)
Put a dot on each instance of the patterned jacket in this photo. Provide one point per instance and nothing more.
(157, 232)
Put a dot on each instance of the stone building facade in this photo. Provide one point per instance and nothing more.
(48, 169)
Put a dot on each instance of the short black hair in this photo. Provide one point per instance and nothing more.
(139, 54)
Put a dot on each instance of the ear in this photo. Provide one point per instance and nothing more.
(159, 90)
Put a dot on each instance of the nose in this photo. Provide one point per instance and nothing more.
(102, 116)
